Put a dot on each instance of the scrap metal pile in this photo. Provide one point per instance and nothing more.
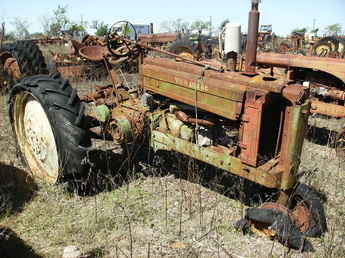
(77, 66)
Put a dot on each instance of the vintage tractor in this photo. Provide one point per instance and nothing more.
(242, 122)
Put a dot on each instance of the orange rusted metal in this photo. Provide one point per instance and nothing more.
(158, 37)
(295, 93)
(187, 119)
(93, 53)
(72, 72)
(12, 68)
(328, 109)
(332, 66)
(209, 94)
(251, 128)
(301, 216)
(252, 37)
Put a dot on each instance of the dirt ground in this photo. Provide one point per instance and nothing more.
(147, 212)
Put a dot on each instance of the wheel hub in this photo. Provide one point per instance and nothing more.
(41, 147)
(37, 142)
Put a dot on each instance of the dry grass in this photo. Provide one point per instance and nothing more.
(149, 214)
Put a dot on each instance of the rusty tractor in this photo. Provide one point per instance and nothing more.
(241, 122)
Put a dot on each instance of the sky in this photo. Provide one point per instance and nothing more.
(284, 15)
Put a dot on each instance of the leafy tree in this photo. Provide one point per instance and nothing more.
(177, 25)
(77, 28)
(334, 29)
(60, 20)
(299, 31)
(54, 25)
(100, 27)
(200, 25)
(21, 28)
(60, 23)
(10, 36)
(223, 23)
(315, 31)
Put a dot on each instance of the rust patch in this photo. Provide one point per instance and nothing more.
(12, 68)
(301, 216)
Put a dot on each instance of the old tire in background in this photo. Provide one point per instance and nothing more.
(22, 58)
(308, 201)
(47, 116)
(325, 46)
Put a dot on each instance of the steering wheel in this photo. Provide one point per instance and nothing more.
(119, 36)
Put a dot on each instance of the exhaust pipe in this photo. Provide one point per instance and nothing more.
(252, 37)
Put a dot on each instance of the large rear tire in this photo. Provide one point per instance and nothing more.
(47, 116)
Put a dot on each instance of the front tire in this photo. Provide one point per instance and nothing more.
(305, 202)
(47, 116)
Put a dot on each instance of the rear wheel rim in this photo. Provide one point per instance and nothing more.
(35, 137)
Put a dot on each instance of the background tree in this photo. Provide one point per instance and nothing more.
(315, 31)
(100, 27)
(21, 28)
(77, 28)
(223, 23)
(333, 30)
(178, 25)
(200, 25)
(54, 25)
(301, 31)
(60, 21)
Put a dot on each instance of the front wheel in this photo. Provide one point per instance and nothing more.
(307, 209)
(46, 116)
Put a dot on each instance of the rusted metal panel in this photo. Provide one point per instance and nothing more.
(251, 127)
(238, 80)
(72, 72)
(93, 53)
(165, 141)
(332, 66)
(193, 91)
(158, 37)
(295, 125)
(327, 109)
(190, 96)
